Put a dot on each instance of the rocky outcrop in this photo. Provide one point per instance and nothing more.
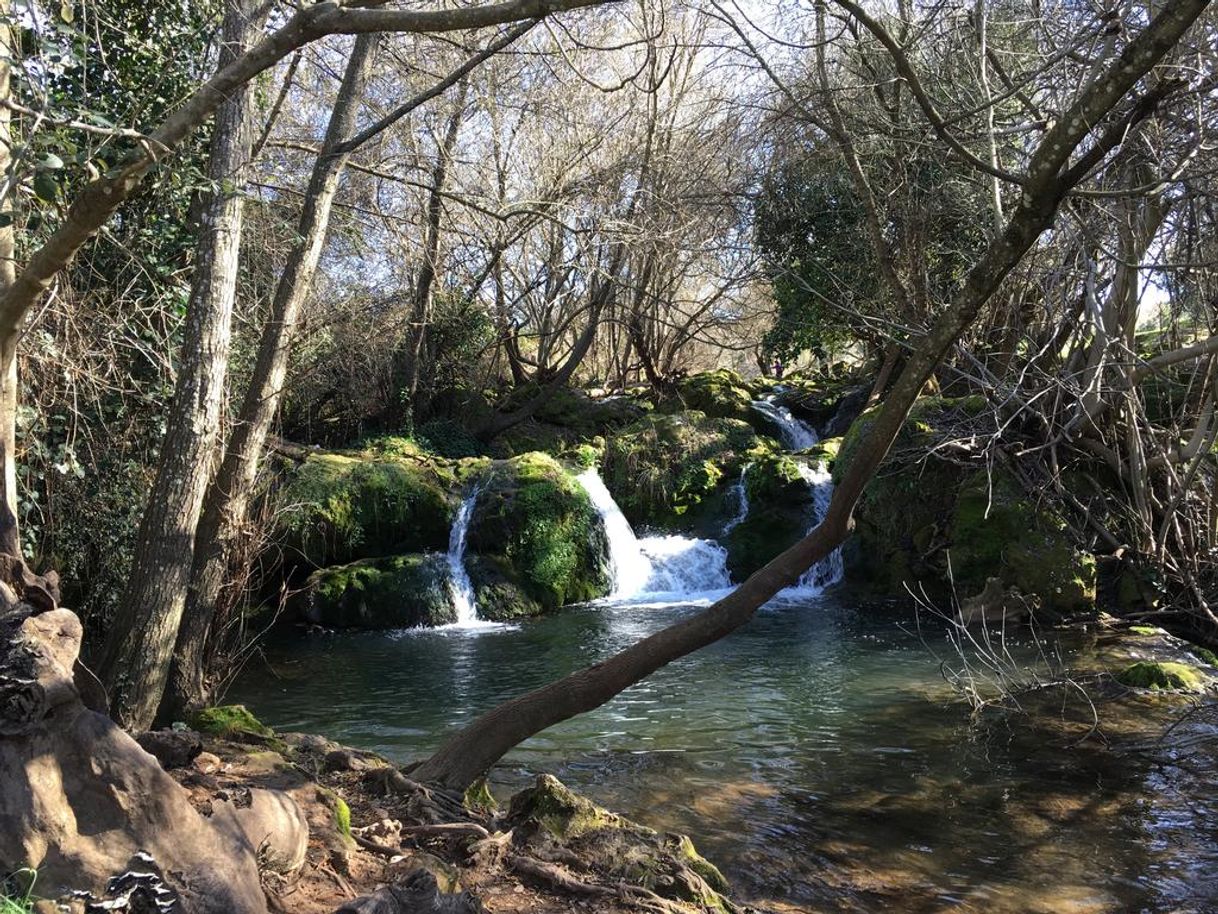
(83, 804)
(933, 518)
(535, 541)
(401, 591)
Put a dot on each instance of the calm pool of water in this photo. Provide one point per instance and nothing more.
(816, 755)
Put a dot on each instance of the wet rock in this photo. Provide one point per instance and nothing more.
(401, 591)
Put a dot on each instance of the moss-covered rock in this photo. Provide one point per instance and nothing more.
(615, 850)
(997, 531)
(535, 529)
(335, 508)
(720, 394)
(928, 521)
(664, 469)
(229, 722)
(780, 512)
(401, 591)
(1163, 676)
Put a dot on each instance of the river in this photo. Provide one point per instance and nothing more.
(817, 755)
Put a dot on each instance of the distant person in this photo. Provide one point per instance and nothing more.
(778, 369)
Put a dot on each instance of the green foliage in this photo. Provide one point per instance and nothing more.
(1174, 677)
(449, 438)
(17, 892)
(539, 530)
(336, 508)
(664, 467)
(402, 591)
(342, 816)
(228, 722)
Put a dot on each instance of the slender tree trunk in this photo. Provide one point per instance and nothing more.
(10, 539)
(228, 498)
(136, 658)
(472, 751)
(420, 315)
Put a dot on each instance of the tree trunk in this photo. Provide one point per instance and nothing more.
(472, 751)
(10, 539)
(139, 645)
(420, 315)
(228, 498)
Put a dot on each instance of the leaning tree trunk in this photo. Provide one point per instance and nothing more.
(472, 751)
(228, 498)
(136, 658)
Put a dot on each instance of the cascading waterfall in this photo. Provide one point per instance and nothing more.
(797, 435)
(741, 493)
(629, 567)
(459, 584)
(829, 569)
(671, 566)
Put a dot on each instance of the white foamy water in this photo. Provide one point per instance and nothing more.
(797, 435)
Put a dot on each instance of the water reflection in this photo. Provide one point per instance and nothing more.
(810, 753)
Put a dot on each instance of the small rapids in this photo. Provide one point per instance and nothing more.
(796, 434)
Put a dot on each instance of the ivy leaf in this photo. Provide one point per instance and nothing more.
(66, 13)
(45, 187)
(51, 162)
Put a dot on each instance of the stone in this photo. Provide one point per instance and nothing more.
(172, 748)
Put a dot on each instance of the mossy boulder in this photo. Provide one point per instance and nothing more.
(401, 591)
(928, 521)
(229, 722)
(720, 394)
(615, 850)
(534, 528)
(666, 471)
(780, 513)
(997, 531)
(336, 508)
(1163, 676)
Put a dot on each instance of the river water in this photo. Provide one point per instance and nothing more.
(817, 755)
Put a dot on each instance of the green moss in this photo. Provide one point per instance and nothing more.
(560, 811)
(997, 532)
(1179, 677)
(720, 394)
(700, 865)
(1204, 654)
(478, 797)
(402, 591)
(534, 528)
(336, 508)
(1145, 630)
(228, 721)
(663, 469)
(342, 816)
(825, 451)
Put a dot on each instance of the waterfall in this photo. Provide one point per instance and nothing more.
(629, 567)
(741, 494)
(829, 569)
(669, 566)
(459, 584)
(681, 566)
(797, 435)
